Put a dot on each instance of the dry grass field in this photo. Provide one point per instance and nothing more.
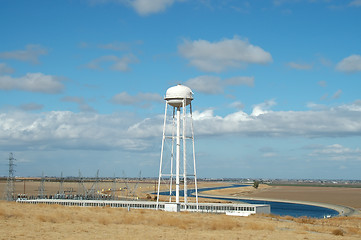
(23, 221)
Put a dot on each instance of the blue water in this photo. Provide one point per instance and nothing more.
(278, 208)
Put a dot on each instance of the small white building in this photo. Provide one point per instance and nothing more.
(234, 209)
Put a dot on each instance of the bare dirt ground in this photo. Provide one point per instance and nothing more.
(25, 221)
(350, 197)
(240, 191)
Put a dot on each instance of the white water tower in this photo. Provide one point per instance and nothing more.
(178, 133)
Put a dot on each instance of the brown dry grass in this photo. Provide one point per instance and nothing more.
(25, 221)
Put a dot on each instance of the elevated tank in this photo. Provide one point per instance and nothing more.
(175, 95)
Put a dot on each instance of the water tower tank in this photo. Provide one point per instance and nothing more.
(175, 95)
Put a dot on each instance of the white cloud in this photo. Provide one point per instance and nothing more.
(337, 94)
(322, 83)
(215, 85)
(268, 152)
(115, 46)
(324, 96)
(335, 148)
(147, 7)
(324, 61)
(350, 64)
(262, 108)
(142, 7)
(31, 53)
(206, 84)
(336, 152)
(124, 98)
(143, 99)
(356, 3)
(237, 105)
(32, 82)
(236, 81)
(116, 63)
(299, 66)
(82, 104)
(5, 69)
(31, 106)
(219, 56)
(315, 106)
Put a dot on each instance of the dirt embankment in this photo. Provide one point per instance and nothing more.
(349, 197)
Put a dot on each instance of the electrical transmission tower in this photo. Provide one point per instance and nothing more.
(10, 192)
(114, 187)
(42, 187)
(61, 187)
(94, 190)
(82, 190)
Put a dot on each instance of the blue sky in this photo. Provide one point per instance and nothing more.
(276, 83)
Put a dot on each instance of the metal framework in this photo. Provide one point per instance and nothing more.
(10, 189)
(41, 192)
(61, 183)
(177, 123)
(81, 187)
(94, 190)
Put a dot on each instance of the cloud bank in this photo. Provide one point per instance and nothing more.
(68, 130)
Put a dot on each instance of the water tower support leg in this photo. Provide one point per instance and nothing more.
(194, 155)
(177, 155)
(184, 155)
(161, 155)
